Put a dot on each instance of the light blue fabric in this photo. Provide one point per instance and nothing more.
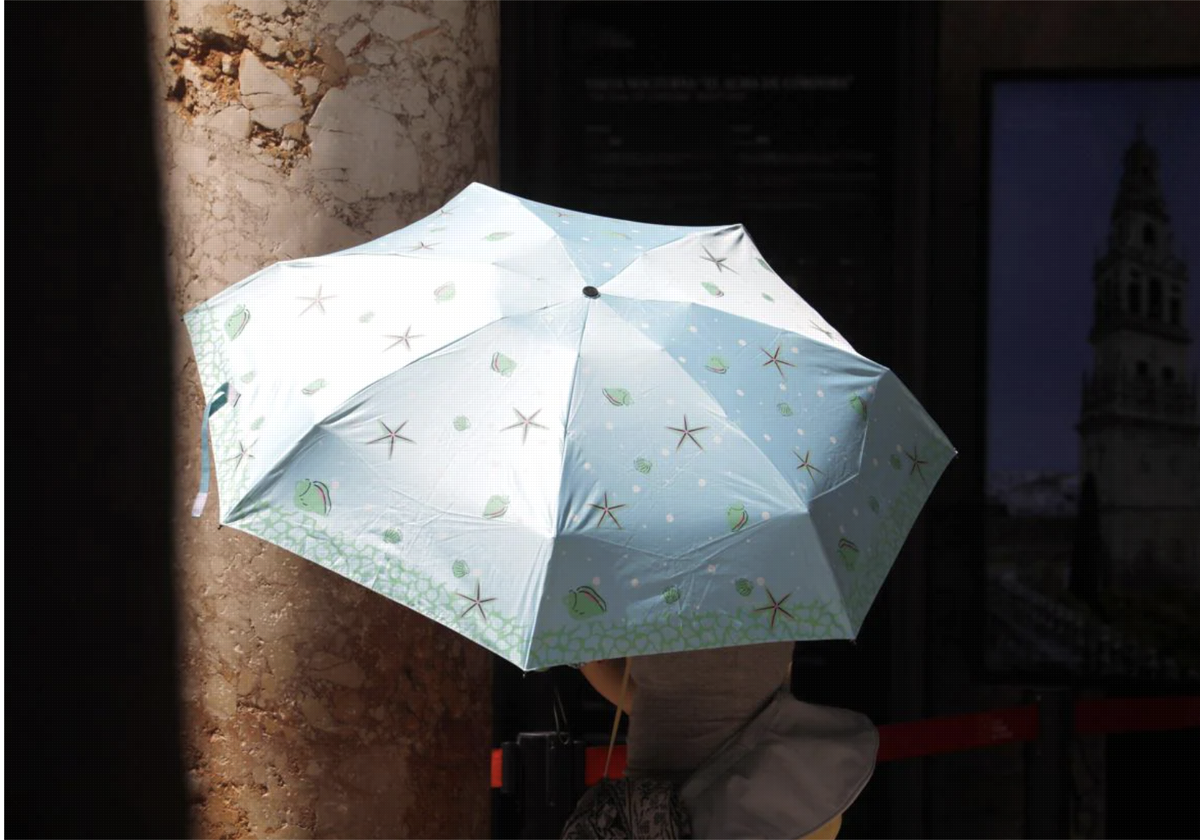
(218, 400)
(693, 458)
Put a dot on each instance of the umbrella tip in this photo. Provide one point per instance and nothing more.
(591, 291)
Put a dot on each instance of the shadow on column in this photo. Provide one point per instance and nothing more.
(92, 703)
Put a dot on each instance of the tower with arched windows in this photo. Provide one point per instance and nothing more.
(1139, 428)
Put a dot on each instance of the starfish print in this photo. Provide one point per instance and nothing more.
(525, 423)
(719, 262)
(476, 602)
(828, 334)
(317, 300)
(245, 453)
(562, 215)
(687, 432)
(391, 436)
(402, 339)
(776, 607)
(806, 463)
(773, 359)
(607, 511)
(421, 246)
(917, 462)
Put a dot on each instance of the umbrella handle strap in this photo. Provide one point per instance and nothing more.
(612, 739)
(219, 398)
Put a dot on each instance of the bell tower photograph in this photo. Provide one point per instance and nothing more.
(1093, 476)
(1138, 425)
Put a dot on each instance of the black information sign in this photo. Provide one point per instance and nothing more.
(776, 116)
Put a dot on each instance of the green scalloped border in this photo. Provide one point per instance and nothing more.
(208, 339)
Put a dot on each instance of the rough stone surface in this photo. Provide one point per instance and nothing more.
(264, 8)
(270, 98)
(234, 122)
(348, 43)
(314, 708)
(271, 48)
(207, 20)
(400, 23)
(259, 86)
(355, 141)
(337, 12)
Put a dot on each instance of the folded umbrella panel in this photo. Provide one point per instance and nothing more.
(431, 562)
(863, 523)
(651, 459)
(305, 336)
(601, 247)
(721, 268)
(480, 224)
(767, 582)
(479, 420)
(800, 402)
(448, 467)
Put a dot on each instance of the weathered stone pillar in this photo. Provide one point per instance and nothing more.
(315, 708)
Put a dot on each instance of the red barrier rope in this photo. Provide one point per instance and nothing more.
(935, 736)
(1147, 714)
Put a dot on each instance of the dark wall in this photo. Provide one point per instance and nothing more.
(809, 124)
(91, 705)
(975, 39)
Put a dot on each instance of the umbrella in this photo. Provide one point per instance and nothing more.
(567, 437)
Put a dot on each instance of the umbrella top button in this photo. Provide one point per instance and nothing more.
(591, 291)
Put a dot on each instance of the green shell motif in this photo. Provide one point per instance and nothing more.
(584, 602)
(237, 321)
(257, 424)
(616, 234)
(737, 517)
(496, 507)
(643, 466)
(460, 568)
(744, 587)
(314, 386)
(785, 409)
(313, 496)
(391, 536)
(502, 364)
(618, 396)
(671, 594)
(462, 423)
(444, 292)
(768, 298)
(717, 365)
(895, 461)
(848, 552)
(498, 235)
(713, 289)
(248, 377)
(873, 503)
(437, 229)
(859, 405)
(365, 317)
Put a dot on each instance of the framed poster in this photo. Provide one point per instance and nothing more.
(1092, 237)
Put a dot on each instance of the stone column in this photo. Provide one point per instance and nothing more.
(287, 128)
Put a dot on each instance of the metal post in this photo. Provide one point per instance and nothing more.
(550, 779)
(1048, 766)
